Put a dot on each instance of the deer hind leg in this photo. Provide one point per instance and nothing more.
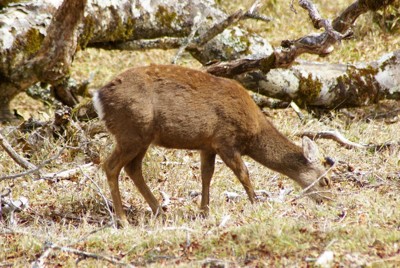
(207, 171)
(234, 161)
(134, 170)
(112, 166)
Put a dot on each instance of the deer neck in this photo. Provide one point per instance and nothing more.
(273, 150)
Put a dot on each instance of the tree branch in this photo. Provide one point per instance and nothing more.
(33, 168)
(51, 63)
(216, 29)
(318, 21)
(14, 155)
(319, 44)
(342, 140)
(85, 254)
(158, 43)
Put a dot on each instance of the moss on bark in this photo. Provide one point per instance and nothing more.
(309, 90)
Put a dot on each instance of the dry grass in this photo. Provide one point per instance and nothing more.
(361, 226)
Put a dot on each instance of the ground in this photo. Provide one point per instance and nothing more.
(361, 226)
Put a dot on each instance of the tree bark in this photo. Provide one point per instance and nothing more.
(36, 54)
(330, 85)
(131, 25)
(108, 24)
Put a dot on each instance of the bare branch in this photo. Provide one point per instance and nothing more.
(336, 136)
(65, 174)
(39, 263)
(239, 66)
(264, 101)
(100, 192)
(86, 254)
(14, 155)
(297, 110)
(179, 228)
(224, 221)
(319, 44)
(34, 169)
(197, 23)
(256, 16)
(292, 7)
(252, 13)
(221, 26)
(318, 21)
(342, 140)
(159, 43)
(216, 30)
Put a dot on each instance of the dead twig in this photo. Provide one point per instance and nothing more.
(166, 200)
(212, 262)
(198, 20)
(319, 22)
(297, 110)
(224, 221)
(219, 27)
(90, 233)
(14, 155)
(84, 254)
(342, 140)
(215, 30)
(336, 136)
(39, 263)
(305, 191)
(156, 43)
(34, 169)
(100, 192)
(252, 13)
(264, 101)
(8, 205)
(65, 174)
(178, 228)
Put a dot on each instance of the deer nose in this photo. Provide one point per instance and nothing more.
(329, 161)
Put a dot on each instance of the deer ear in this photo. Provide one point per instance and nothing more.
(310, 150)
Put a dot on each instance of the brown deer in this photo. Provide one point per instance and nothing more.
(181, 108)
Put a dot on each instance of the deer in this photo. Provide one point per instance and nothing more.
(182, 108)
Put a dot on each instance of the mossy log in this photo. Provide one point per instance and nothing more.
(330, 86)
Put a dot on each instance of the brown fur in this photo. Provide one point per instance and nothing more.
(177, 107)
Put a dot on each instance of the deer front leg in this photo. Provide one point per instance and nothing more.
(234, 161)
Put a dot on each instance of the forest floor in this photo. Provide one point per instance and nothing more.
(69, 221)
